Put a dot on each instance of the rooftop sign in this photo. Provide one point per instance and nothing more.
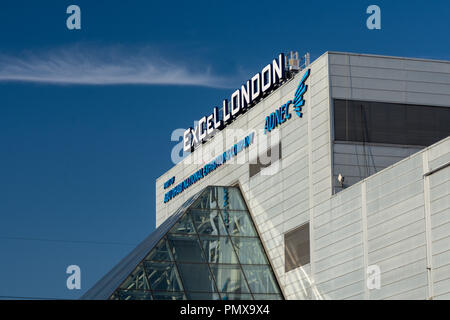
(242, 99)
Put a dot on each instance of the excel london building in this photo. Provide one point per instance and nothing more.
(322, 180)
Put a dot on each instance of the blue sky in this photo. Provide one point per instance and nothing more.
(86, 115)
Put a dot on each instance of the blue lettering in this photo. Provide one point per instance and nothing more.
(288, 115)
(267, 126)
(208, 168)
(277, 117)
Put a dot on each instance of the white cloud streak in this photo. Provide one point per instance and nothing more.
(111, 66)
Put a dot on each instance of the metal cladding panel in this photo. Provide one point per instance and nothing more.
(440, 230)
(389, 79)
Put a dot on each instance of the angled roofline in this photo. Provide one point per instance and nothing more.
(105, 287)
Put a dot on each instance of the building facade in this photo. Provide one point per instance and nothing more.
(344, 169)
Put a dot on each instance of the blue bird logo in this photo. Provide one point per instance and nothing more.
(299, 102)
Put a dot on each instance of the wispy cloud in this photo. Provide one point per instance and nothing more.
(108, 66)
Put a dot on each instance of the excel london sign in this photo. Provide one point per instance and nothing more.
(241, 100)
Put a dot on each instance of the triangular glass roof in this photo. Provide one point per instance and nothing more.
(207, 250)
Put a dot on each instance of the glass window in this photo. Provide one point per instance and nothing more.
(260, 279)
(229, 278)
(236, 296)
(218, 249)
(231, 199)
(249, 250)
(296, 248)
(208, 222)
(186, 248)
(208, 200)
(184, 226)
(196, 277)
(203, 253)
(238, 223)
(160, 252)
(115, 296)
(393, 123)
(163, 276)
(221, 198)
(134, 295)
(137, 280)
(168, 295)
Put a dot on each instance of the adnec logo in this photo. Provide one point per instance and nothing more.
(282, 114)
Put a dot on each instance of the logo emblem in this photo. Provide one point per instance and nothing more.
(299, 102)
(281, 115)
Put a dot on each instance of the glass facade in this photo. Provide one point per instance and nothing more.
(393, 123)
(211, 252)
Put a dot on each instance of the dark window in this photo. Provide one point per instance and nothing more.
(265, 160)
(296, 248)
(379, 122)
